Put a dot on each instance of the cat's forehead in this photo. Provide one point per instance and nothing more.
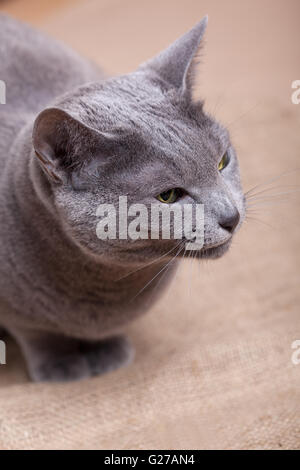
(128, 99)
(152, 112)
(165, 133)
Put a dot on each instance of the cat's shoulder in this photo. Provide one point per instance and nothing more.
(11, 28)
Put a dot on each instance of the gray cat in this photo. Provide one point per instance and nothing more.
(70, 140)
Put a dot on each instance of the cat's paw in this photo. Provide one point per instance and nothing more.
(89, 360)
(108, 355)
(60, 369)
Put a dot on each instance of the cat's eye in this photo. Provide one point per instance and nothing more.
(170, 196)
(223, 162)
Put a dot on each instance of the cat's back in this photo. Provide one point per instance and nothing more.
(37, 68)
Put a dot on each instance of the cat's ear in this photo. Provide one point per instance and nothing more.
(175, 64)
(62, 142)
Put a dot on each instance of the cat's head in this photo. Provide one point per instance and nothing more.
(142, 136)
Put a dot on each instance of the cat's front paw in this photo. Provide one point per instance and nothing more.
(90, 359)
(60, 369)
(108, 355)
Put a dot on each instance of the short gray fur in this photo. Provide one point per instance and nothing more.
(69, 140)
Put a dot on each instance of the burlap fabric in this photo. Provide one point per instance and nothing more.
(214, 359)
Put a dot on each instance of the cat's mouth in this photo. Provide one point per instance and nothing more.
(211, 250)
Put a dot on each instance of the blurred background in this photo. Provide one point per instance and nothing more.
(213, 366)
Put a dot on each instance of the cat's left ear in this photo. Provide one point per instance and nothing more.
(62, 143)
(176, 63)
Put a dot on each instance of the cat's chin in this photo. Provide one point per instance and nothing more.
(213, 252)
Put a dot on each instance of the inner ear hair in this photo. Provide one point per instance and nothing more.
(48, 167)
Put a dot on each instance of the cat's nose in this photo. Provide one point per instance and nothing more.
(230, 221)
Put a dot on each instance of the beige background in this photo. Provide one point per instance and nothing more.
(213, 366)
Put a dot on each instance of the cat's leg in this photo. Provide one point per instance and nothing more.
(52, 358)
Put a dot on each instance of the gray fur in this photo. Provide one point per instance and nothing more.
(70, 140)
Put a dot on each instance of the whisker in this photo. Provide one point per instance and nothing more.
(244, 114)
(263, 204)
(169, 268)
(272, 196)
(271, 180)
(173, 281)
(261, 221)
(149, 282)
(270, 189)
(191, 270)
(149, 264)
(257, 210)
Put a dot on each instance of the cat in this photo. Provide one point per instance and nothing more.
(71, 139)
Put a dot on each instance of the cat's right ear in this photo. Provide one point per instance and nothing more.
(62, 143)
(176, 64)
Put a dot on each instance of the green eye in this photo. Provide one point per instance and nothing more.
(223, 162)
(170, 196)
